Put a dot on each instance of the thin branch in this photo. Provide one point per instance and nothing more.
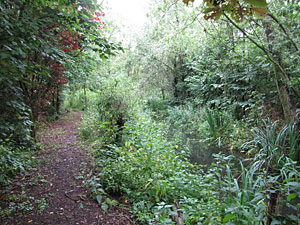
(165, 12)
(284, 30)
(187, 25)
(169, 67)
(267, 54)
(255, 34)
(247, 35)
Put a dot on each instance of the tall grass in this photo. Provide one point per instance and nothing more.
(216, 122)
(272, 142)
(275, 152)
(185, 118)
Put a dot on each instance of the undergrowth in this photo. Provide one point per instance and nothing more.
(153, 172)
(13, 161)
(150, 168)
(211, 126)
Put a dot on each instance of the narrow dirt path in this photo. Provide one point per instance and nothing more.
(55, 192)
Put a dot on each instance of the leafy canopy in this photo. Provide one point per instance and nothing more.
(237, 9)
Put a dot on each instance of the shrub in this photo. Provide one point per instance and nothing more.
(106, 117)
(13, 160)
(155, 174)
(186, 118)
(157, 105)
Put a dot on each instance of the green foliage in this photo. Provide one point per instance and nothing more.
(246, 197)
(272, 144)
(157, 106)
(186, 118)
(225, 69)
(107, 115)
(217, 123)
(31, 44)
(180, 76)
(15, 123)
(206, 125)
(24, 204)
(76, 100)
(153, 173)
(13, 160)
(270, 180)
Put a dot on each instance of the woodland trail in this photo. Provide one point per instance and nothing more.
(55, 192)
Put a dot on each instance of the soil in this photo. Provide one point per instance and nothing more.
(55, 192)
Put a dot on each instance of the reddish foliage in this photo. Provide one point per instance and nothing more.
(96, 18)
(71, 43)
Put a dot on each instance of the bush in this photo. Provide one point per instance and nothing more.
(157, 107)
(15, 122)
(106, 117)
(258, 196)
(208, 125)
(185, 118)
(13, 160)
(272, 142)
(156, 176)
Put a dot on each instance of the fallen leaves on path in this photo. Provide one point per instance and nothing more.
(57, 193)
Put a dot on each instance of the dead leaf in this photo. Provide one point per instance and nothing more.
(187, 1)
(260, 12)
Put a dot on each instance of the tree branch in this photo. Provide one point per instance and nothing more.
(286, 78)
(251, 39)
(284, 30)
(169, 67)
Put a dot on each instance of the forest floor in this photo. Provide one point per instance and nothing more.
(54, 192)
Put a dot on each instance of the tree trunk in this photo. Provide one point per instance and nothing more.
(283, 95)
(163, 94)
(57, 104)
(282, 88)
(279, 73)
(183, 75)
(285, 101)
(85, 98)
(175, 81)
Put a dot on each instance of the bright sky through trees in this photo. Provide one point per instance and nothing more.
(129, 15)
(131, 12)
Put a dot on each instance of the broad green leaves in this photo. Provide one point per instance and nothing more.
(257, 3)
(236, 8)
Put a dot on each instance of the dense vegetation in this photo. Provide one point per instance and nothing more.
(228, 79)
(39, 41)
